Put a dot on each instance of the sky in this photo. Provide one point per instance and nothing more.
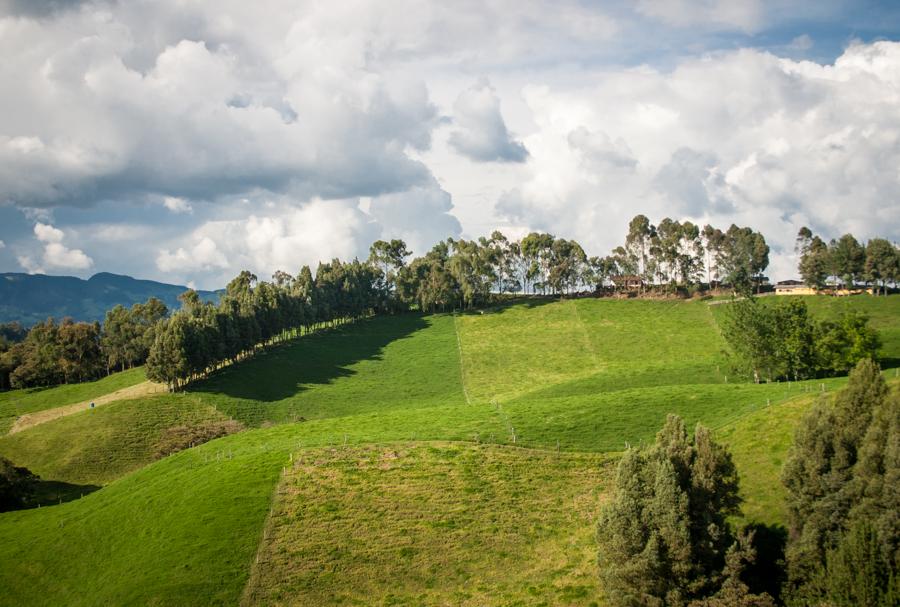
(185, 141)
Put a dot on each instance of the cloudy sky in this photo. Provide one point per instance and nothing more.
(184, 141)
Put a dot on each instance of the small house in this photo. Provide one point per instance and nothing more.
(793, 287)
(628, 282)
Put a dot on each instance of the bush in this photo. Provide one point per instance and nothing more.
(17, 485)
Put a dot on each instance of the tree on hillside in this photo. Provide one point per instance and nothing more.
(567, 265)
(638, 243)
(815, 263)
(17, 485)
(389, 257)
(713, 241)
(745, 256)
(882, 263)
(848, 259)
(665, 537)
(780, 340)
(844, 509)
(537, 252)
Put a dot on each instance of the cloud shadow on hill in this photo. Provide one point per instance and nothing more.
(285, 370)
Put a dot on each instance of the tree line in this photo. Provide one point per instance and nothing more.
(65, 352)
(201, 337)
(846, 261)
(669, 257)
(666, 538)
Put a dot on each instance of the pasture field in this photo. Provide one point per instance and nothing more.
(30, 400)
(99, 445)
(465, 456)
(459, 524)
(381, 364)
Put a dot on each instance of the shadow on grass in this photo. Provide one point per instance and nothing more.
(282, 372)
(49, 493)
(889, 362)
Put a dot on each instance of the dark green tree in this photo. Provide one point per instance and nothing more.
(663, 540)
(841, 479)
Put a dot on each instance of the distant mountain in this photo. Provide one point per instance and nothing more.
(31, 298)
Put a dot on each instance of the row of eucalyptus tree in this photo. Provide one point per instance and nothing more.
(847, 261)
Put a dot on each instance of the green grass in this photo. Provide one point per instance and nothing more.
(759, 444)
(458, 524)
(18, 402)
(386, 363)
(587, 375)
(589, 345)
(98, 445)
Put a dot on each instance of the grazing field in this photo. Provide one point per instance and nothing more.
(99, 445)
(458, 524)
(589, 345)
(430, 460)
(392, 362)
(30, 400)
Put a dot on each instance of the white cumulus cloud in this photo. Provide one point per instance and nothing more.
(481, 133)
(56, 255)
(742, 137)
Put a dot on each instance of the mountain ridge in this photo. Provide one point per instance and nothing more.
(32, 298)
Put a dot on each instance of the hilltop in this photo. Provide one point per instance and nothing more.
(402, 459)
(32, 298)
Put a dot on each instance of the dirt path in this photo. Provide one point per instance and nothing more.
(30, 420)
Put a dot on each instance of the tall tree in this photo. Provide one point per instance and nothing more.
(844, 457)
(663, 540)
(815, 262)
(882, 263)
(848, 259)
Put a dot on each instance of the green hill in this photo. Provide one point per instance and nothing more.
(350, 474)
(14, 403)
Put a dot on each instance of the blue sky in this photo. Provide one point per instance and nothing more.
(185, 141)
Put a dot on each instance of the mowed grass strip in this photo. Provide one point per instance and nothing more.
(29, 400)
(514, 349)
(388, 362)
(589, 345)
(433, 524)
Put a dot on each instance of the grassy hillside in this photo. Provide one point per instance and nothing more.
(391, 362)
(19, 402)
(588, 345)
(459, 522)
(99, 445)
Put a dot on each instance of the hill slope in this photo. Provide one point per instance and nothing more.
(32, 298)
(574, 378)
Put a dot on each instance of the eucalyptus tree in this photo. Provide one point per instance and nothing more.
(882, 263)
(745, 256)
(638, 243)
(537, 251)
(848, 259)
(713, 241)
(814, 265)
